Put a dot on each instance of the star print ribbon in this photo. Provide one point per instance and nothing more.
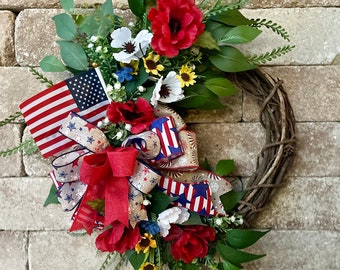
(193, 196)
(84, 133)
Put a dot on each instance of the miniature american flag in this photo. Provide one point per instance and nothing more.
(193, 196)
(45, 112)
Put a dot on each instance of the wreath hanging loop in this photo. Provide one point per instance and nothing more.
(278, 153)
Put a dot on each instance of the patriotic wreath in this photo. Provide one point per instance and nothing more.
(123, 159)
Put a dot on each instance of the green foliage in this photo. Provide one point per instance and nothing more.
(230, 59)
(235, 256)
(240, 34)
(222, 87)
(206, 40)
(231, 199)
(219, 8)
(231, 17)
(273, 26)
(137, 7)
(224, 167)
(28, 147)
(12, 119)
(67, 5)
(194, 219)
(51, 63)
(73, 55)
(241, 238)
(159, 201)
(41, 77)
(136, 259)
(200, 97)
(227, 266)
(65, 26)
(52, 196)
(98, 205)
(269, 56)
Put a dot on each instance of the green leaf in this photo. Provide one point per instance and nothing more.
(206, 40)
(241, 34)
(98, 205)
(230, 199)
(224, 167)
(230, 59)
(65, 26)
(51, 63)
(235, 256)
(67, 5)
(222, 87)
(200, 97)
(131, 86)
(107, 8)
(227, 266)
(136, 259)
(218, 30)
(159, 201)
(194, 219)
(241, 238)
(137, 7)
(52, 196)
(73, 55)
(231, 17)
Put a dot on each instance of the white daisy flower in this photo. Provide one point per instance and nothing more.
(132, 48)
(167, 90)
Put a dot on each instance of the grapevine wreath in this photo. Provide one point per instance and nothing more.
(122, 158)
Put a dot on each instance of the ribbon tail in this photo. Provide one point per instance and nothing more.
(116, 206)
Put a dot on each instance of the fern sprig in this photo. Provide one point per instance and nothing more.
(41, 77)
(269, 56)
(28, 147)
(275, 27)
(12, 119)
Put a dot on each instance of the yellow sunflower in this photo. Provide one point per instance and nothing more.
(186, 76)
(150, 64)
(145, 243)
(148, 266)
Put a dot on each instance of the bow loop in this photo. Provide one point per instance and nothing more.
(122, 161)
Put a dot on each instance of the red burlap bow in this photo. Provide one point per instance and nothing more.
(106, 175)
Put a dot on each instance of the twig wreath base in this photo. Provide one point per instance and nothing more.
(278, 154)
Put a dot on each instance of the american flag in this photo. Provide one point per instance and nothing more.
(46, 111)
(193, 196)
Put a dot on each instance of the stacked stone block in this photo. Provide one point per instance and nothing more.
(304, 215)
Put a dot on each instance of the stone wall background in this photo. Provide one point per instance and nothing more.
(304, 215)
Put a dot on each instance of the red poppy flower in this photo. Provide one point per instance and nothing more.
(139, 115)
(175, 25)
(118, 238)
(190, 242)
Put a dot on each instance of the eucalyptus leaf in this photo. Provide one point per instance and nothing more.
(222, 87)
(73, 55)
(137, 7)
(230, 59)
(231, 199)
(224, 167)
(65, 26)
(243, 238)
(235, 256)
(52, 197)
(241, 34)
(67, 5)
(51, 63)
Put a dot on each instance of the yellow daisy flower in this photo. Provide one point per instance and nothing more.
(133, 64)
(186, 76)
(150, 64)
(148, 266)
(145, 243)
